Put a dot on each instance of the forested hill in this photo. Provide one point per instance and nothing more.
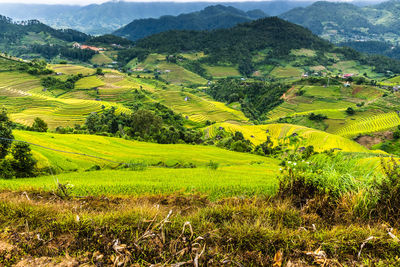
(33, 39)
(212, 17)
(343, 22)
(239, 42)
(271, 38)
(12, 32)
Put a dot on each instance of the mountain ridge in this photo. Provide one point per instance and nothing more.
(212, 17)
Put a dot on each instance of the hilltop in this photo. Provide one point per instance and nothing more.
(212, 17)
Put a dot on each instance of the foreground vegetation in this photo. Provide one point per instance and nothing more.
(301, 224)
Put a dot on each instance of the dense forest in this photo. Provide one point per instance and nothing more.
(256, 97)
(375, 48)
(239, 44)
(109, 39)
(51, 51)
(236, 44)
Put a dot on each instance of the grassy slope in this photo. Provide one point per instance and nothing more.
(119, 149)
(278, 132)
(238, 173)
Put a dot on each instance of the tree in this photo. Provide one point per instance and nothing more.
(241, 146)
(350, 111)
(5, 132)
(39, 125)
(99, 71)
(93, 122)
(23, 162)
(145, 122)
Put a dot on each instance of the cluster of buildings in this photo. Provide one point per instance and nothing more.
(93, 48)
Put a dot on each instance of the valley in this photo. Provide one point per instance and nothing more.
(259, 144)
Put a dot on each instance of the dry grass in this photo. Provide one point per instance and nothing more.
(42, 228)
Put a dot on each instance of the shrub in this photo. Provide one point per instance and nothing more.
(213, 165)
(137, 166)
(6, 170)
(39, 125)
(350, 111)
(387, 192)
(317, 117)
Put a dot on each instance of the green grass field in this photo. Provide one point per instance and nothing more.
(286, 72)
(121, 150)
(237, 174)
(101, 59)
(222, 71)
(226, 181)
(72, 69)
(89, 82)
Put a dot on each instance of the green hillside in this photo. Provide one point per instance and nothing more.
(371, 29)
(33, 39)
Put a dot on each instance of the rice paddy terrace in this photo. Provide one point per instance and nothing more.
(172, 167)
(25, 98)
(375, 109)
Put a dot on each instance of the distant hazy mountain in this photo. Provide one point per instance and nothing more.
(110, 16)
(210, 18)
(344, 22)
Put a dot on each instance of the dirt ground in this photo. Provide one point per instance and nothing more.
(370, 140)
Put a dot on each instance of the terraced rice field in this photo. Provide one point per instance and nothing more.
(306, 106)
(72, 69)
(222, 71)
(101, 59)
(178, 75)
(89, 82)
(278, 132)
(121, 150)
(25, 99)
(286, 72)
(60, 112)
(198, 108)
(370, 124)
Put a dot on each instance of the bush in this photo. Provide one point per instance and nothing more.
(317, 117)
(137, 166)
(39, 125)
(387, 192)
(213, 165)
(6, 169)
(350, 111)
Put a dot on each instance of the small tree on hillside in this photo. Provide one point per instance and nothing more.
(99, 71)
(39, 125)
(146, 122)
(350, 111)
(23, 162)
(5, 132)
